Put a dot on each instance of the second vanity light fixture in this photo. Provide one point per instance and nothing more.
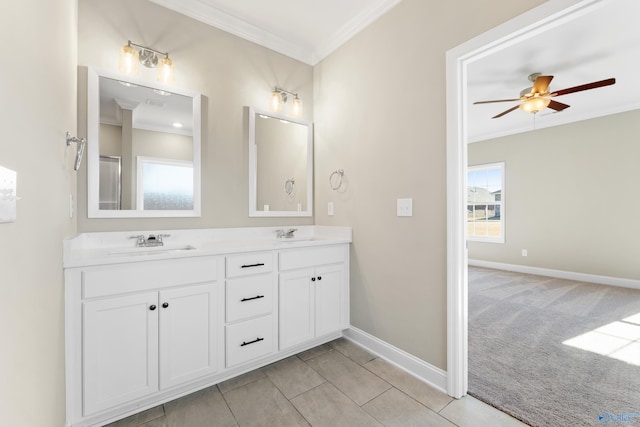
(280, 96)
(130, 57)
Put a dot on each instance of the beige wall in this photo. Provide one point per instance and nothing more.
(110, 140)
(230, 72)
(379, 114)
(38, 97)
(571, 197)
(161, 144)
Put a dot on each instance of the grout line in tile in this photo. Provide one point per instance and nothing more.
(230, 410)
(445, 406)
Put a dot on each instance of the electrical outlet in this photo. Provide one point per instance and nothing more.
(524, 252)
(404, 207)
(330, 208)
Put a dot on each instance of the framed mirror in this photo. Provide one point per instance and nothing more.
(280, 165)
(143, 148)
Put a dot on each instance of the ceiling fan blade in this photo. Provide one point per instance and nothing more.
(541, 84)
(505, 112)
(496, 100)
(558, 106)
(587, 86)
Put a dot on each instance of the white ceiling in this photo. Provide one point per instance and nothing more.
(602, 44)
(152, 109)
(307, 30)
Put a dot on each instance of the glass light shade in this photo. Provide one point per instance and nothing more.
(535, 104)
(296, 107)
(129, 60)
(165, 71)
(276, 102)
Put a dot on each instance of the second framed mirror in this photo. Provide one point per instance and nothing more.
(280, 165)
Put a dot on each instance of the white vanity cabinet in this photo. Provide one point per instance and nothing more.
(313, 293)
(251, 329)
(137, 329)
(146, 325)
(120, 348)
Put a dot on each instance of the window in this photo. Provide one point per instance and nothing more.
(165, 184)
(485, 202)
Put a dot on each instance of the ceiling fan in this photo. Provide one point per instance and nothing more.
(537, 97)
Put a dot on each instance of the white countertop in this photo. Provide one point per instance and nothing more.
(103, 248)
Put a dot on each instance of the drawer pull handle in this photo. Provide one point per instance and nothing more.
(251, 342)
(260, 264)
(313, 279)
(165, 305)
(252, 298)
(152, 307)
(319, 277)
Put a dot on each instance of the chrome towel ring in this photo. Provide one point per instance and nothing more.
(335, 179)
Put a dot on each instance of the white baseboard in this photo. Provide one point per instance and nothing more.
(420, 369)
(560, 274)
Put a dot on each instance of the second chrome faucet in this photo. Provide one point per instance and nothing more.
(286, 234)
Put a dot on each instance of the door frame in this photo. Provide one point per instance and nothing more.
(542, 18)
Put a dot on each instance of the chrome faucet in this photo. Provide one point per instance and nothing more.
(288, 234)
(150, 241)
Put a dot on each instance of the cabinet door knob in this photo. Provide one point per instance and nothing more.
(165, 304)
(152, 307)
(319, 277)
(313, 279)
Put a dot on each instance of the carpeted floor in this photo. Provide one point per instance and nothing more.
(519, 364)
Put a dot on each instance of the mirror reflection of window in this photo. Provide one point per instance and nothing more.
(165, 184)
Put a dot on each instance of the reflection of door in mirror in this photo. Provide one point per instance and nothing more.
(281, 165)
(138, 121)
(109, 182)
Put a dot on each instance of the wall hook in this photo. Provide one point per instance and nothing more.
(80, 151)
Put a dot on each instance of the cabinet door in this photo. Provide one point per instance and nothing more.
(188, 333)
(296, 307)
(120, 350)
(329, 302)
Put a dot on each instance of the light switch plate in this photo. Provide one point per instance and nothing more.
(405, 207)
(330, 208)
(8, 198)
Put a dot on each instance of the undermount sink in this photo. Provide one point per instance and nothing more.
(157, 250)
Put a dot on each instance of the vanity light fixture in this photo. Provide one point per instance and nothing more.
(280, 96)
(130, 57)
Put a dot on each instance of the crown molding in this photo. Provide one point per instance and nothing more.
(353, 27)
(203, 12)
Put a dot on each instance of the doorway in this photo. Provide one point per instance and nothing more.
(526, 26)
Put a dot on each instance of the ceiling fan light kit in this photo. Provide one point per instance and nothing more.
(535, 104)
(538, 97)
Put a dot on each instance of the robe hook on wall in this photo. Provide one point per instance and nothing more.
(80, 150)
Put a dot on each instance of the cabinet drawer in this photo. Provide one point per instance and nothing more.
(310, 257)
(249, 340)
(251, 263)
(249, 297)
(134, 277)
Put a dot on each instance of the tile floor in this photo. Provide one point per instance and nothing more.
(333, 385)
